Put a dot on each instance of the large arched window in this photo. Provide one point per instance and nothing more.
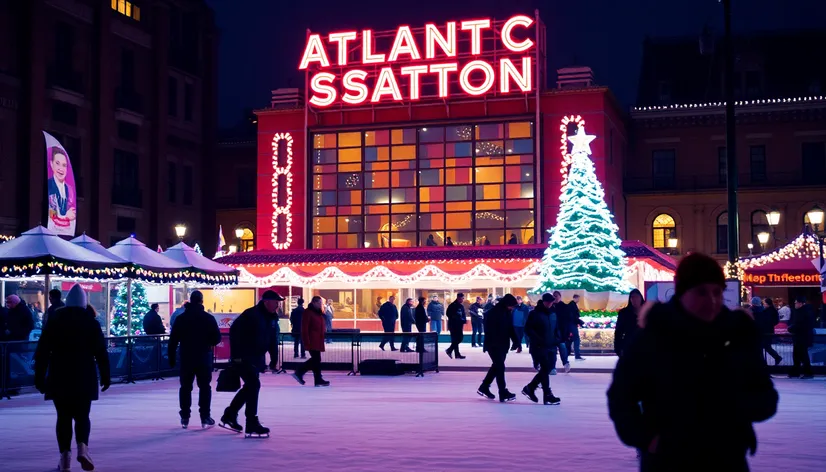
(759, 224)
(247, 239)
(664, 228)
(722, 233)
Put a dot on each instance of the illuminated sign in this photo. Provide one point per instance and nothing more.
(459, 58)
(782, 278)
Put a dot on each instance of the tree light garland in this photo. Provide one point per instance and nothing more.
(567, 158)
(285, 209)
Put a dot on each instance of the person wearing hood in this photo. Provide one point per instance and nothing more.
(421, 323)
(249, 339)
(70, 354)
(407, 319)
(627, 319)
(19, 319)
(197, 333)
(542, 331)
(313, 328)
(766, 320)
(435, 311)
(691, 383)
(455, 324)
(152, 322)
(500, 334)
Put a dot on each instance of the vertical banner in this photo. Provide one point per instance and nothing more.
(62, 196)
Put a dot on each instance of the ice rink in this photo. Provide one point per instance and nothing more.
(435, 423)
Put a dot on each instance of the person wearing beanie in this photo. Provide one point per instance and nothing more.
(691, 382)
(500, 334)
(197, 333)
(70, 354)
(19, 319)
(540, 328)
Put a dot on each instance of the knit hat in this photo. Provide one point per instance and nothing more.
(697, 269)
(508, 300)
(76, 297)
(755, 301)
(548, 297)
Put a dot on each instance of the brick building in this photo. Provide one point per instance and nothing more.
(129, 88)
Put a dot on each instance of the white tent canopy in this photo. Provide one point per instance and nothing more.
(94, 245)
(135, 252)
(184, 254)
(40, 244)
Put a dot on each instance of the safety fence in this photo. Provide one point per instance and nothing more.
(783, 344)
(146, 357)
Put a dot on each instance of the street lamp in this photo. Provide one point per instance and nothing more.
(672, 241)
(751, 247)
(763, 238)
(774, 219)
(239, 233)
(816, 219)
(232, 248)
(180, 231)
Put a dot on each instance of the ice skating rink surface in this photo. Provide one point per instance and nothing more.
(435, 423)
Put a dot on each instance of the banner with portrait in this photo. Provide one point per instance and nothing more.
(62, 194)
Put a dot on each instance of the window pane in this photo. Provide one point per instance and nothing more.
(403, 240)
(376, 138)
(324, 141)
(520, 219)
(404, 195)
(490, 131)
(324, 157)
(490, 237)
(520, 130)
(458, 220)
(458, 149)
(520, 191)
(351, 197)
(324, 182)
(324, 198)
(402, 222)
(519, 173)
(404, 208)
(432, 194)
(489, 192)
(349, 139)
(373, 154)
(324, 224)
(377, 223)
(489, 175)
(376, 196)
(432, 221)
(349, 155)
(459, 176)
(490, 219)
(490, 148)
(431, 135)
(405, 178)
(519, 146)
(350, 180)
(401, 153)
(458, 193)
(349, 224)
(427, 151)
(324, 242)
(459, 133)
(403, 136)
(460, 238)
(431, 177)
(377, 180)
(664, 221)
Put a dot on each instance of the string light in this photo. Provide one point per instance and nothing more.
(285, 209)
(4, 238)
(805, 246)
(740, 103)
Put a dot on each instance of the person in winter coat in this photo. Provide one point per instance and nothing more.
(563, 331)
(249, 339)
(70, 354)
(19, 319)
(500, 336)
(627, 321)
(407, 319)
(4, 313)
(576, 322)
(196, 331)
(455, 324)
(542, 331)
(766, 320)
(802, 329)
(313, 328)
(435, 311)
(175, 314)
(388, 313)
(421, 323)
(520, 315)
(477, 322)
(328, 317)
(152, 321)
(55, 303)
(275, 334)
(688, 403)
(295, 323)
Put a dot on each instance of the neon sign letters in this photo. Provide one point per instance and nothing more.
(429, 56)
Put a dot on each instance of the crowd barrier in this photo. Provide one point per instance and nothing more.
(145, 357)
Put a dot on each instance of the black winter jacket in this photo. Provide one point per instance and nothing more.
(295, 320)
(696, 386)
(455, 316)
(19, 322)
(407, 318)
(541, 328)
(197, 333)
(803, 325)
(249, 336)
(388, 313)
(499, 332)
(625, 328)
(153, 324)
(421, 318)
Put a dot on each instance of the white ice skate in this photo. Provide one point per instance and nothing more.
(65, 462)
(84, 458)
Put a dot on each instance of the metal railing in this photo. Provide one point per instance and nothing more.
(146, 357)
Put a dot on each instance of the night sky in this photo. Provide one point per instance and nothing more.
(261, 40)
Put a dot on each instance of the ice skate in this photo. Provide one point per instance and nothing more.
(548, 398)
(255, 430)
(299, 378)
(506, 396)
(184, 423)
(65, 462)
(322, 383)
(459, 356)
(567, 367)
(449, 353)
(579, 359)
(484, 391)
(207, 423)
(230, 423)
(84, 458)
(530, 393)
(553, 371)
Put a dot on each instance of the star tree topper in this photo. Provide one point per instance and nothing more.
(581, 141)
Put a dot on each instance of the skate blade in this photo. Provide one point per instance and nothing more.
(552, 403)
(508, 400)
(207, 426)
(257, 436)
(226, 427)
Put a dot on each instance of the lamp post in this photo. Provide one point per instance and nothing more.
(816, 219)
(239, 233)
(672, 242)
(731, 155)
(751, 248)
(774, 219)
(763, 239)
(180, 231)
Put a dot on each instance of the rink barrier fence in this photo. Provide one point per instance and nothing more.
(145, 357)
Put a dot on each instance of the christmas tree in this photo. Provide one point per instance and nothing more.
(584, 249)
(140, 305)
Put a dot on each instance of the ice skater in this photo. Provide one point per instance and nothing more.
(421, 324)
(197, 333)
(499, 335)
(388, 313)
(477, 320)
(295, 330)
(313, 329)
(541, 330)
(69, 355)
(248, 343)
(455, 324)
(407, 320)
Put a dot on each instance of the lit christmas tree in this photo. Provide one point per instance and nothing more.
(584, 249)
(140, 305)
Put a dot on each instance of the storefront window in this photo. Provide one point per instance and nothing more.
(342, 301)
(407, 184)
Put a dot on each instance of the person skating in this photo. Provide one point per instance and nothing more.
(688, 403)
(456, 324)
(766, 320)
(477, 320)
(541, 330)
(197, 333)
(248, 343)
(388, 313)
(627, 319)
(313, 328)
(152, 322)
(563, 326)
(275, 334)
(328, 318)
(576, 323)
(407, 319)
(295, 330)
(55, 303)
(802, 329)
(499, 334)
(70, 354)
(520, 315)
(435, 311)
(421, 324)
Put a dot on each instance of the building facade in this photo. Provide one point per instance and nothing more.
(129, 88)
